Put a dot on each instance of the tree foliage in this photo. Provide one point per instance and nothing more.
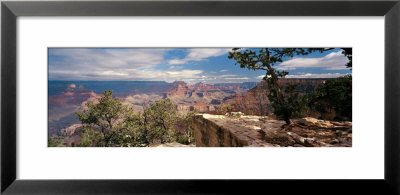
(110, 123)
(53, 142)
(161, 119)
(334, 96)
(348, 52)
(291, 104)
(285, 100)
(105, 120)
(225, 108)
(185, 133)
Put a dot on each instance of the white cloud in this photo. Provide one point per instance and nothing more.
(114, 64)
(161, 75)
(109, 58)
(237, 78)
(111, 73)
(101, 64)
(227, 78)
(332, 61)
(175, 67)
(223, 70)
(310, 75)
(227, 75)
(199, 54)
(128, 64)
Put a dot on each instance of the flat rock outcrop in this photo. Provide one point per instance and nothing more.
(238, 130)
(225, 131)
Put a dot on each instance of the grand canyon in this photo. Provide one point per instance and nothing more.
(200, 97)
(69, 97)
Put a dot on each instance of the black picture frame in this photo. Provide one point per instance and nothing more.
(11, 10)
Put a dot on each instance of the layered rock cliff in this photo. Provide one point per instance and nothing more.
(237, 130)
(202, 97)
(221, 131)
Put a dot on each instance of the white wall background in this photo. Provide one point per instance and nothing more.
(364, 160)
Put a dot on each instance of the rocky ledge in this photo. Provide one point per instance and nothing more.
(236, 130)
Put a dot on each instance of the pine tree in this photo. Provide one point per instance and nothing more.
(285, 99)
(104, 122)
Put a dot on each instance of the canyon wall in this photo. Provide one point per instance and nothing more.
(221, 131)
(238, 130)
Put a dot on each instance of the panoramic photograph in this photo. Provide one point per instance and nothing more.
(199, 97)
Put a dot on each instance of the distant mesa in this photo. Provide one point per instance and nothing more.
(178, 88)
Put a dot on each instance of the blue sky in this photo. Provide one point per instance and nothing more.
(209, 65)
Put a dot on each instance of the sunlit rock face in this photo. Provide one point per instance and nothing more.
(178, 88)
(239, 130)
(225, 131)
(202, 97)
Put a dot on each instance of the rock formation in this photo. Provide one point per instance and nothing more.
(202, 97)
(235, 130)
(255, 101)
(177, 88)
(71, 134)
